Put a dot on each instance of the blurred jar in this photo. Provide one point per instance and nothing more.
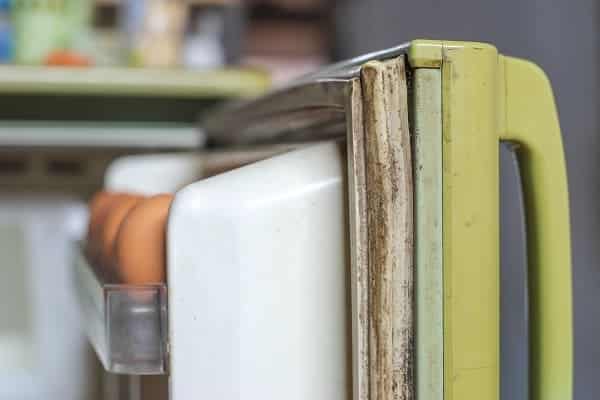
(204, 46)
(154, 31)
(44, 26)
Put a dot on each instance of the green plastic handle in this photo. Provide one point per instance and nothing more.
(532, 121)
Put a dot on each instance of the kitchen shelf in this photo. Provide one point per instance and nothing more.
(126, 324)
(69, 134)
(141, 82)
(117, 3)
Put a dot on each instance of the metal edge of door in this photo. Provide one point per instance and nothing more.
(470, 214)
(298, 111)
(426, 111)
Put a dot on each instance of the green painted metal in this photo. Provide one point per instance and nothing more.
(532, 121)
(427, 129)
(487, 97)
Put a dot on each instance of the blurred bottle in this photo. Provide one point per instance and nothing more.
(154, 31)
(204, 47)
(6, 35)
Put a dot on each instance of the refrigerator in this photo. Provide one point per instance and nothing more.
(339, 238)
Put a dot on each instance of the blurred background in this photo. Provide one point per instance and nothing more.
(277, 39)
(285, 37)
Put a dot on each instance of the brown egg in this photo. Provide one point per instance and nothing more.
(98, 207)
(110, 226)
(141, 243)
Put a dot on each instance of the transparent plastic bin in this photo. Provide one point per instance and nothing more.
(126, 324)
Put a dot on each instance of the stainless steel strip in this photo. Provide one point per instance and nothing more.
(349, 69)
(296, 112)
(279, 114)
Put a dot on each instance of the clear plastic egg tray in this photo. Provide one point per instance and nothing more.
(126, 324)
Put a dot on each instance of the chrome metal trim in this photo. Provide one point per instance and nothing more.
(310, 109)
(349, 69)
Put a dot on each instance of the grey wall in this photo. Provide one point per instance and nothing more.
(563, 37)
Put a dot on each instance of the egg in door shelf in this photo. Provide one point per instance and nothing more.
(277, 268)
(120, 268)
(59, 130)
